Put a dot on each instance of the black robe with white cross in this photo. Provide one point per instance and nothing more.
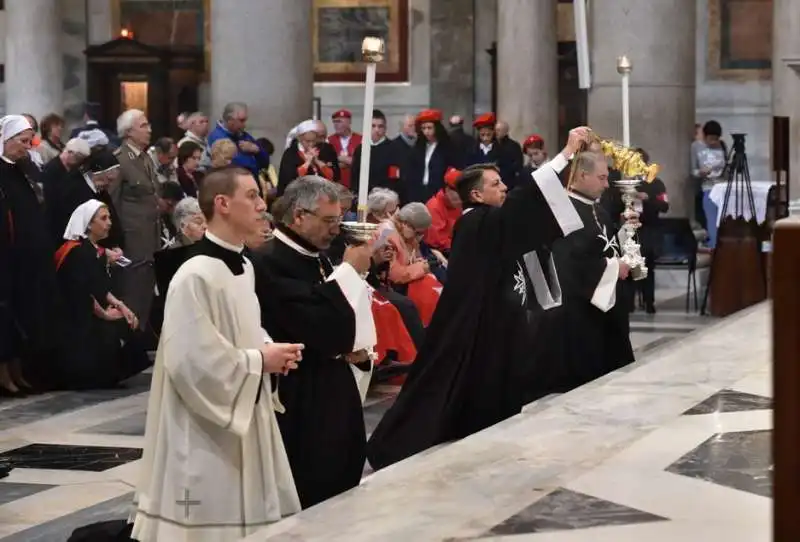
(303, 301)
(465, 377)
(594, 318)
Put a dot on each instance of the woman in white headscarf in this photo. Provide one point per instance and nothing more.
(95, 322)
(303, 157)
(26, 274)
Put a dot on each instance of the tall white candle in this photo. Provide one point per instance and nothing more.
(624, 68)
(626, 109)
(372, 50)
(366, 145)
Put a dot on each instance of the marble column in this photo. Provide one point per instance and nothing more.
(485, 36)
(452, 58)
(527, 76)
(786, 79)
(257, 58)
(34, 65)
(659, 38)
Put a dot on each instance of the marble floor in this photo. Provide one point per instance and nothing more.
(75, 457)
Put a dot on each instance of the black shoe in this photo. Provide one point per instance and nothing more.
(5, 392)
(651, 309)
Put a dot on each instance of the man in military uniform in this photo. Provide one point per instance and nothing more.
(135, 197)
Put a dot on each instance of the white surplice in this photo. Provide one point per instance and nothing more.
(214, 466)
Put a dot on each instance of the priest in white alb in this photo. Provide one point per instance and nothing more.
(214, 466)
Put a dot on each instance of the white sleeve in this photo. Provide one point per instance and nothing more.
(214, 378)
(356, 292)
(605, 294)
(546, 178)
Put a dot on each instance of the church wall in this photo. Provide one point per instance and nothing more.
(740, 105)
(73, 42)
(2, 59)
(394, 99)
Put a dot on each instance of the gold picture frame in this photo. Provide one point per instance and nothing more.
(720, 64)
(393, 69)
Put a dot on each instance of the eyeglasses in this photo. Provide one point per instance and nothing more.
(332, 220)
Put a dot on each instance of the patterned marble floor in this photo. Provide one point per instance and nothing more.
(76, 453)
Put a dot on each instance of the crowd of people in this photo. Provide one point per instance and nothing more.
(264, 314)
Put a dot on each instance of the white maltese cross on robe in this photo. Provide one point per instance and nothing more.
(520, 286)
(609, 243)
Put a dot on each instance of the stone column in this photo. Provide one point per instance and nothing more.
(34, 65)
(659, 38)
(485, 36)
(452, 58)
(527, 76)
(256, 59)
(786, 79)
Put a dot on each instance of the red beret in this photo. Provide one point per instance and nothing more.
(451, 177)
(535, 139)
(487, 120)
(342, 114)
(429, 115)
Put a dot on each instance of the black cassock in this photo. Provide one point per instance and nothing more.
(33, 290)
(594, 318)
(466, 375)
(94, 353)
(323, 425)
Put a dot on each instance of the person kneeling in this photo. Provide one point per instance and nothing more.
(98, 343)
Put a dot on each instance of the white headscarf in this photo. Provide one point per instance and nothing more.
(10, 126)
(81, 218)
(302, 128)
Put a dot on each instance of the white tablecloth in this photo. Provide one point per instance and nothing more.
(738, 202)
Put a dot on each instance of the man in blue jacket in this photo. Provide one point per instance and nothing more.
(232, 126)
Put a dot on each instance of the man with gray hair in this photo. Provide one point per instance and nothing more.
(329, 310)
(134, 194)
(197, 132)
(233, 126)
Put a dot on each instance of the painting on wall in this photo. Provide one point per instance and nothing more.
(740, 39)
(340, 25)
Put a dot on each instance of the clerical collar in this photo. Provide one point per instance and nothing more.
(214, 247)
(381, 140)
(574, 194)
(295, 242)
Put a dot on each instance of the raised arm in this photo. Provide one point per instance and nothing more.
(536, 214)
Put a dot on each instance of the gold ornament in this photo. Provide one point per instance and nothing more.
(628, 162)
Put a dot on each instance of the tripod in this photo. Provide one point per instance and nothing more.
(739, 185)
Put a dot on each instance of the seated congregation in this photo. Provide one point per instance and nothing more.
(477, 301)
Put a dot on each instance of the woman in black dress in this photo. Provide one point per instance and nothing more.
(28, 294)
(99, 346)
(430, 158)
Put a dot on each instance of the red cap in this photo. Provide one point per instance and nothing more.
(451, 177)
(342, 114)
(429, 115)
(532, 140)
(487, 120)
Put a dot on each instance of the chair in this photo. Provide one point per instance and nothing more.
(680, 249)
